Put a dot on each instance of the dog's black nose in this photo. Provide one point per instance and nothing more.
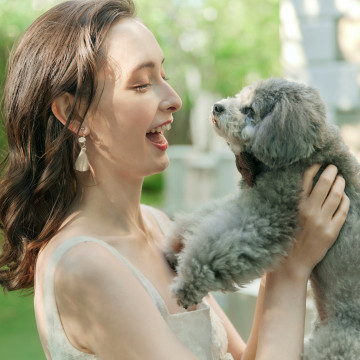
(218, 109)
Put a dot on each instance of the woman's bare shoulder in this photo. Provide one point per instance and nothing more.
(100, 298)
(159, 217)
(155, 211)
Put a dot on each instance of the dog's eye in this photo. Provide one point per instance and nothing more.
(247, 111)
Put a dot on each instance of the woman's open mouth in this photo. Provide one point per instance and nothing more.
(156, 137)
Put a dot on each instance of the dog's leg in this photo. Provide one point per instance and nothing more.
(184, 225)
(239, 241)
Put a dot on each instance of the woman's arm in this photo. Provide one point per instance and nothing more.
(322, 213)
(251, 346)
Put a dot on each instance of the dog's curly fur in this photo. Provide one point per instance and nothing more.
(235, 240)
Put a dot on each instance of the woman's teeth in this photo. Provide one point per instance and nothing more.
(161, 128)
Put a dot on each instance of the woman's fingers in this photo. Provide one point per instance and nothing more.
(322, 188)
(334, 197)
(322, 213)
(341, 213)
(308, 178)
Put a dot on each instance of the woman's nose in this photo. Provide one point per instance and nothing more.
(172, 101)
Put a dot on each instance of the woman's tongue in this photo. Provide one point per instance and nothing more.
(157, 138)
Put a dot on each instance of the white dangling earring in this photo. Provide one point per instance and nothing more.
(82, 162)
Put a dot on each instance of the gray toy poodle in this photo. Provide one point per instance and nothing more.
(276, 129)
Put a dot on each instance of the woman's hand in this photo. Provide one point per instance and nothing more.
(322, 213)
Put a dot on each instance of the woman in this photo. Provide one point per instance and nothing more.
(87, 82)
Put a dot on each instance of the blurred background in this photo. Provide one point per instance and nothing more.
(212, 50)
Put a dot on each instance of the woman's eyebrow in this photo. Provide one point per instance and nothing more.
(148, 64)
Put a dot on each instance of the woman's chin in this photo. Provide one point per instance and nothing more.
(163, 163)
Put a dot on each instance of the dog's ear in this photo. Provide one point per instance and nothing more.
(292, 129)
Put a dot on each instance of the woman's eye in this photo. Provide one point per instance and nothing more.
(141, 88)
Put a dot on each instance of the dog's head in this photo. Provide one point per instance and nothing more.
(277, 121)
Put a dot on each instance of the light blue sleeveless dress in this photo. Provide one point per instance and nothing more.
(201, 330)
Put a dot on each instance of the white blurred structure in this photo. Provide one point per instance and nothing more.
(311, 52)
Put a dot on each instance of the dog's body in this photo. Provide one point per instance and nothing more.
(281, 126)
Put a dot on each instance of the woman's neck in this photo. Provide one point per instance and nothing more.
(113, 202)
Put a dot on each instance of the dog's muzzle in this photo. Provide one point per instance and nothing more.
(217, 110)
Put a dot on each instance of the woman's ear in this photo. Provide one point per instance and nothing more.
(62, 107)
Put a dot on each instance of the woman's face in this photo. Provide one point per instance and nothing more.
(135, 99)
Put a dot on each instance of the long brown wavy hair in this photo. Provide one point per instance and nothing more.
(61, 52)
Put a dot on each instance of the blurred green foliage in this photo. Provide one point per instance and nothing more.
(231, 42)
(15, 17)
(18, 334)
(152, 190)
(153, 183)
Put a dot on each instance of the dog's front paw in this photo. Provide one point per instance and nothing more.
(186, 293)
(173, 247)
(171, 258)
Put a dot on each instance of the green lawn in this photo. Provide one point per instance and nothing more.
(19, 339)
